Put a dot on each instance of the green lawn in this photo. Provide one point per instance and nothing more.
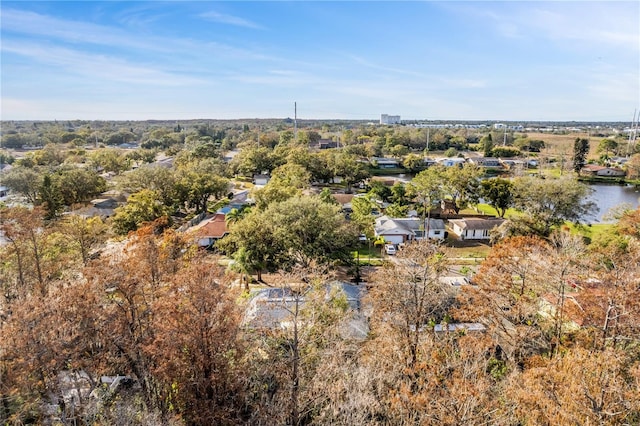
(366, 253)
(488, 210)
(590, 231)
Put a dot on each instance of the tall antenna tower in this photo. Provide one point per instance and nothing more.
(633, 131)
(295, 121)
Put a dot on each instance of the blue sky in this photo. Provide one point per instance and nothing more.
(351, 60)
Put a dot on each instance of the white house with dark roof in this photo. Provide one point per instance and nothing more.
(474, 228)
(401, 230)
(486, 162)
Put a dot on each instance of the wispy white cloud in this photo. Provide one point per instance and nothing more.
(229, 20)
(77, 32)
(35, 24)
(603, 23)
(588, 22)
(97, 67)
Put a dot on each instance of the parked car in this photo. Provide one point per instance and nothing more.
(390, 249)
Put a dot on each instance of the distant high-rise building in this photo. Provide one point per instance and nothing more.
(389, 119)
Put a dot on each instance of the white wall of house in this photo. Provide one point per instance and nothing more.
(472, 234)
(436, 234)
(610, 172)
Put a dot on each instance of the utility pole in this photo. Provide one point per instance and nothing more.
(428, 130)
(295, 122)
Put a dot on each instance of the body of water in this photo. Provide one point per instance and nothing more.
(608, 197)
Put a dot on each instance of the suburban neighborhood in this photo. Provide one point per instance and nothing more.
(310, 213)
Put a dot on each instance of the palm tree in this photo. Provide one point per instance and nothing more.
(235, 215)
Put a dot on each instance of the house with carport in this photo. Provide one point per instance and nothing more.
(402, 230)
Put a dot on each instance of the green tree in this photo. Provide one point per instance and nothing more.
(50, 198)
(396, 210)
(580, 151)
(252, 160)
(487, 144)
(606, 145)
(362, 213)
(6, 158)
(251, 244)
(24, 181)
(235, 215)
(349, 169)
(76, 184)
(326, 196)
(109, 160)
(462, 185)
(505, 152)
(143, 206)
(310, 231)
(297, 231)
(286, 182)
(379, 191)
(399, 151)
(399, 193)
(197, 183)
(13, 141)
(498, 193)
(413, 163)
(548, 203)
(427, 188)
(159, 179)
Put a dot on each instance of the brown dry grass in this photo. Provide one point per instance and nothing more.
(563, 144)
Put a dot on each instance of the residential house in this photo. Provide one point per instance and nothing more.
(596, 170)
(4, 191)
(428, 162)
(385, 163)
(101, 207)
(402, 230)
(210, 230)
(323, 144)
(261, 179)
(272, 308)
(474, 228)
(486, 162)
(510, 163)
(450, 162)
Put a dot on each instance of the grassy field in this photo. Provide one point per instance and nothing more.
(488, 210)
(563, 144)
(591, 231)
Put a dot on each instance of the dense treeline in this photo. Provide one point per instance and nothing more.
(126, 321)
(155, 310)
